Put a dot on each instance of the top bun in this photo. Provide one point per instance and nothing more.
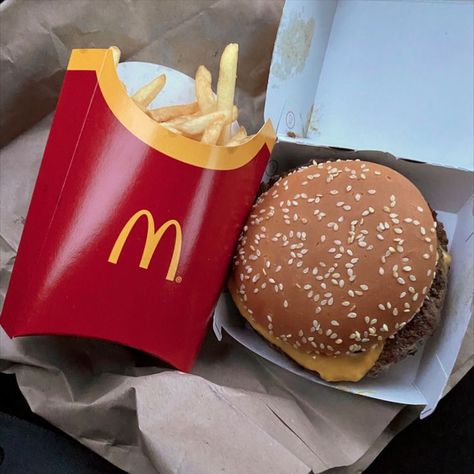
(336, 257)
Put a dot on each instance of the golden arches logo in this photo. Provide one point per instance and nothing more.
(152, 240)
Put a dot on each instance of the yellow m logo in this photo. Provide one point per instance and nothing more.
(152, 240)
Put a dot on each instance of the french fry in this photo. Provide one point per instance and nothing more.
(226, 85)
(116, 53)
(164, 114)
(235, 115)
(180, 120)
(242, 133)
(212, 132)
(204, 95)
(145, 95)
(210, 117)
(195, 124)
(198, 124)
(171, 129)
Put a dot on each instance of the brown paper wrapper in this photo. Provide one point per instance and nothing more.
(235, 412)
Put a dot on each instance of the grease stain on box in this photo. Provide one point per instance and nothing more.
(312, 122)
(293, 47)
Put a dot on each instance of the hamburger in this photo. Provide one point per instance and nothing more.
(343, 267)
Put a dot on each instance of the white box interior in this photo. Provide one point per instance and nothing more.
(378, 75)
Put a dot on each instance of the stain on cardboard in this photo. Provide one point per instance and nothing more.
(312, 124)
(293, 46)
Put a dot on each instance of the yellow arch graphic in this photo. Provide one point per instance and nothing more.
(152, 133)
(152, 240)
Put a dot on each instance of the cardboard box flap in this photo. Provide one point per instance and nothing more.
(443, 348)
(382, 75)
(298, 58)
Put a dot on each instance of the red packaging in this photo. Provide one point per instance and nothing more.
(131, 228)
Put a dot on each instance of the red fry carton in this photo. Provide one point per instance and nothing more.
(131, 228)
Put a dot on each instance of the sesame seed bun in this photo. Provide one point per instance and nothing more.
(335, 258)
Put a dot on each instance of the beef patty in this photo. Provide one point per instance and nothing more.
(407, 340)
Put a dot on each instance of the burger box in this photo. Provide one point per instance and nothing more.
(129, 233)
(393, 76)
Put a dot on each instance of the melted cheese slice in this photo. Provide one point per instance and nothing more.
(446, 258)
(341, 368)
(347, 368)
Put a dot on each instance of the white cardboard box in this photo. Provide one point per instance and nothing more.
(391, 76)
(378, 75)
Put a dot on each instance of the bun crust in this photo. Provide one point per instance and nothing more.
(336, 257)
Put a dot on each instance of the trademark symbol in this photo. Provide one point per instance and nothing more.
(178, 279)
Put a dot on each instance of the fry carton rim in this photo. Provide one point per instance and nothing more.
(156, 136)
